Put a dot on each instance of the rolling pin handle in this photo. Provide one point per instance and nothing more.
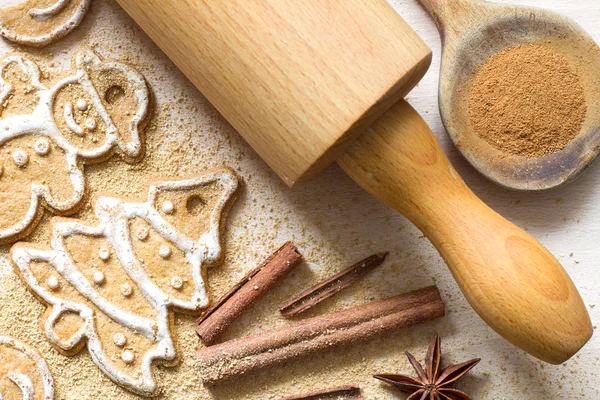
(509, 278)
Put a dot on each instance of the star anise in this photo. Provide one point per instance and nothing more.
(430, 383)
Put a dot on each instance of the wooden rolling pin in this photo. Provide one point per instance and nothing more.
(302, 80)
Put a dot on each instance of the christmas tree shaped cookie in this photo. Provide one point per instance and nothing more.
(47, 134)
(113, 286)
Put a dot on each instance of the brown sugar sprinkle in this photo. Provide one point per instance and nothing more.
(527, 100)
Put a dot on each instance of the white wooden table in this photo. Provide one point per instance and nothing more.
(335, 223)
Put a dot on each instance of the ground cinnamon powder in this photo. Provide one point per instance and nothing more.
(527, 100)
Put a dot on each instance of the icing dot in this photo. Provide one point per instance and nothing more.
(104, 254)
(127, 357)
(1, 170)
(168, 207)
(177, 282)
(20, 158)
(126, 290)
(90, 123)
(119, 339)
(82, 105)
(142, 233)
(164, 251)
(99, 278)
(41, 147)
(53, 282)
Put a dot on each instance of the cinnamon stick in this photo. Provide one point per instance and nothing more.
(337, 393)
(253, 286)
(251, 353)
(321, 291)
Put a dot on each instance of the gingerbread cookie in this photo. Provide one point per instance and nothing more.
(115, 285)
(47, 134)
(41, 22)
(24, 374)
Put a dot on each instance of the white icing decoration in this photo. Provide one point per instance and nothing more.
(114, 226)
(39, 15)
(127, 357)
(70, 120)
(82, 105)
(119, 339)
(104, 254)
(41, 122)
(164, 251)
(20, 158)
(142, 233)
(99, 277)
(41, 147)
(24, 383)
(48, 11)
(90, 124)
(126, 290)
(21, 376)
(53, 282)
(177, 282)
(168, 207)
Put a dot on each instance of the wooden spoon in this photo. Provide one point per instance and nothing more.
(474, 30)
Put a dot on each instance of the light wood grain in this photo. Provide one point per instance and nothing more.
(474, 30)
(299, 83)
(497, 265)
(508, 277)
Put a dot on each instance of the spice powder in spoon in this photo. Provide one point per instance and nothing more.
(527, 100)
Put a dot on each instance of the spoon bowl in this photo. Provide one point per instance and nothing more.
(472, 32)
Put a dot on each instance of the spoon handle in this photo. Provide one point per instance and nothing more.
(509, 278)
(452, 17)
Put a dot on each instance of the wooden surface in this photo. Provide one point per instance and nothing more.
(473, 31)
(297, 84)
(496, 264)
(509, 278)
(334, 222)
